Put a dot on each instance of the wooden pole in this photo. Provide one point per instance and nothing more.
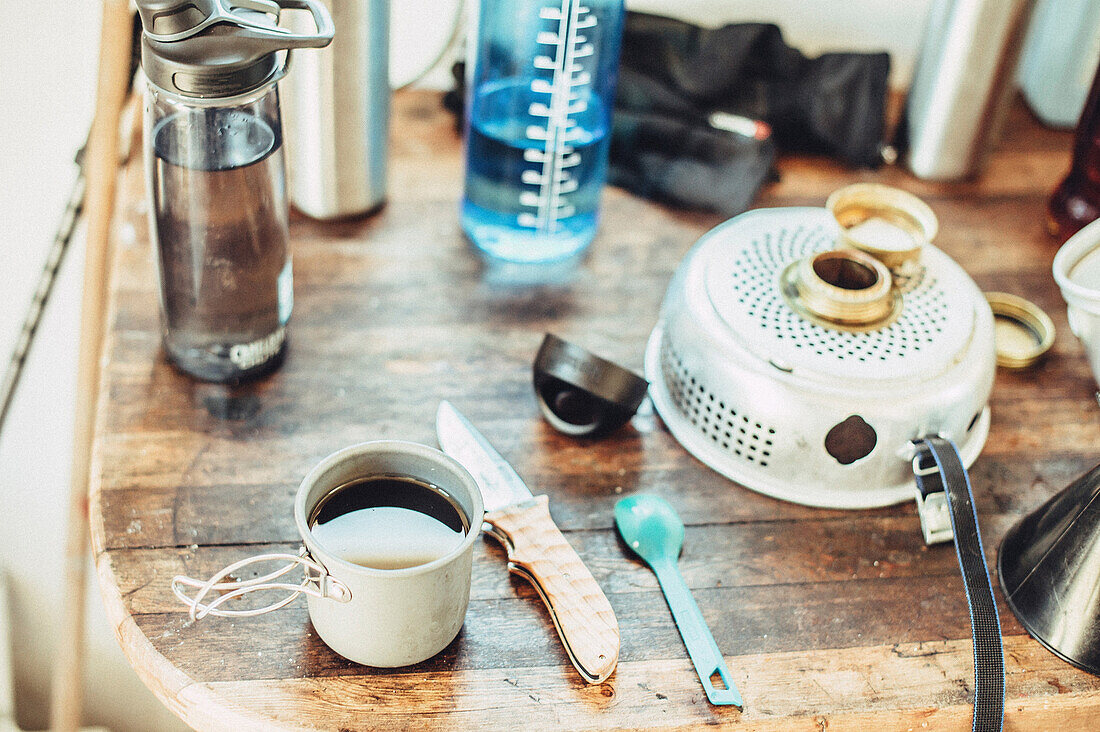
(102, 170)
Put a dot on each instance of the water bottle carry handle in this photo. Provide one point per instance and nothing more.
(322, 20)
(317, 583)
(221, 11)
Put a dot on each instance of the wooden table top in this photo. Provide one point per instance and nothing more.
(829, 619)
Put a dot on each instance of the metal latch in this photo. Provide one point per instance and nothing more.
(935, 515)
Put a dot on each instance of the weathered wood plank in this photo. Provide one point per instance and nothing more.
(153, 514)
(898, 687)
(715, 555)
(516, 631)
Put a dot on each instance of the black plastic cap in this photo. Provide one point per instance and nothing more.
(1049, 565)
(582, 394)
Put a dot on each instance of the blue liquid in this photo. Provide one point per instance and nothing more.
(529, 199)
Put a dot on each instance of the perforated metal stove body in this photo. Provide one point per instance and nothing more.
(754, 390)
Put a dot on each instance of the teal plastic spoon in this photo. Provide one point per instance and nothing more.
(650, 526)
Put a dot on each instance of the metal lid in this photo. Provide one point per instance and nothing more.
(754, 389)
(582, 394)
(1022, 331)
(221, 48)
(885, 222)
(734, 282)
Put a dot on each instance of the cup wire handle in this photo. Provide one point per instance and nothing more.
(317, 583)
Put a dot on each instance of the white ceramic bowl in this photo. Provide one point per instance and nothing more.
(1077, 272)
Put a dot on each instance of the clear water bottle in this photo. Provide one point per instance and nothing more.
(539, 123)
(216, 179)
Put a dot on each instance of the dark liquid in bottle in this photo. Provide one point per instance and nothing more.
(388, 522)
(1076, 201)
(220, 208)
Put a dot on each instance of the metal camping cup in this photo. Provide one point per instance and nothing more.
(1077, 272)
(376, 617)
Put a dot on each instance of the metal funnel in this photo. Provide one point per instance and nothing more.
(1049, 566)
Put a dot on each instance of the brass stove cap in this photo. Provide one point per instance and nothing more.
(842, 289)
(885, 222)
(1022, 331)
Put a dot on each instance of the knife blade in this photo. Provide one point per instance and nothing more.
(536, 549)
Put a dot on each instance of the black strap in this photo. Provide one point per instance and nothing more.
(985, 625)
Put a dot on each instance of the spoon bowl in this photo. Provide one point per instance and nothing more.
(650, 526)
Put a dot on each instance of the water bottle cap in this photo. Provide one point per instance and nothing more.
(222, 48)
(582, 394)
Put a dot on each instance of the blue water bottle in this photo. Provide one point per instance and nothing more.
(539, 125)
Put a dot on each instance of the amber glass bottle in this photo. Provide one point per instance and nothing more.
(1076, 200)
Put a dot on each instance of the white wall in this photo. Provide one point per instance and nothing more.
(420, 28)
(48, 53)
(48, 59)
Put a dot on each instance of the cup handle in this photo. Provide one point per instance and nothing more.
(317, 583)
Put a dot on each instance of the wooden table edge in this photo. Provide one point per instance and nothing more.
(196, 704)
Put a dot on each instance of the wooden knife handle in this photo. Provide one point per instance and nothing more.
(581, 613)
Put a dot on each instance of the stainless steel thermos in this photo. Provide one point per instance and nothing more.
(961, 84)
(336, 115)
